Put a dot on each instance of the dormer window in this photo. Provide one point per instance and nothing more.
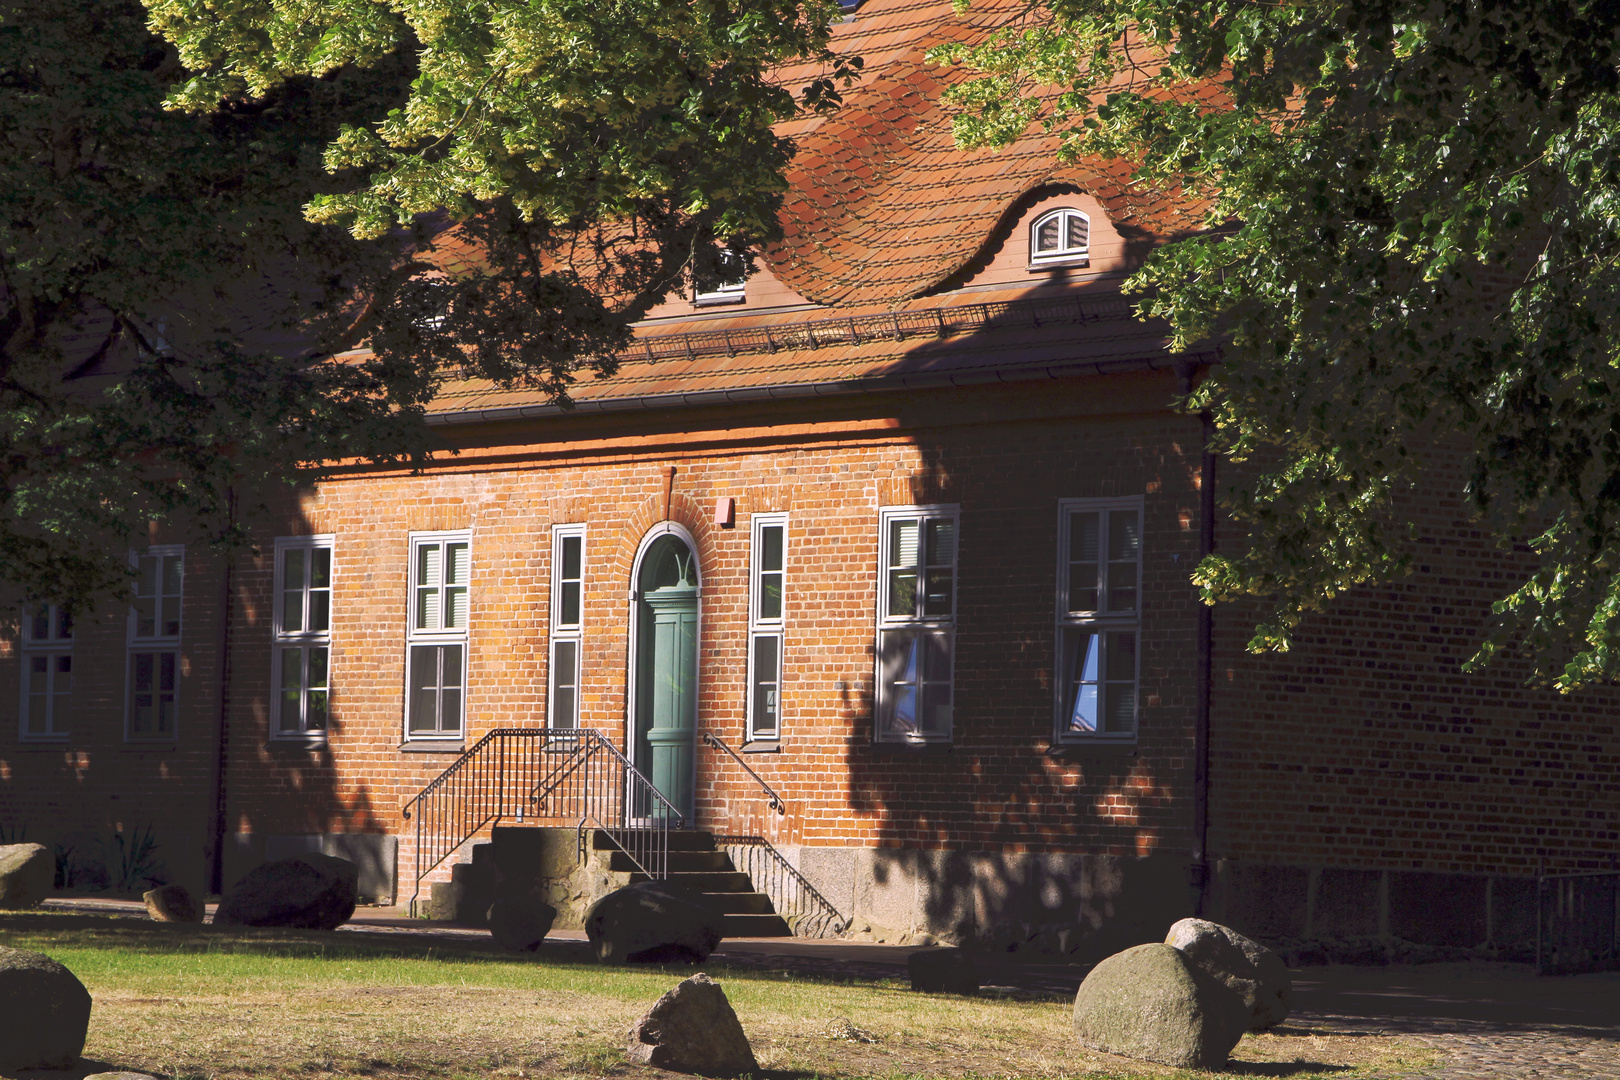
(731, 286)
(1060, 238)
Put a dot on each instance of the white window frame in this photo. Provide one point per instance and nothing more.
(416, 638)
(158, 645)
(52, 648)
(1101, 621)
(762, 627)
(1064, 255)
(303, 639)
(565, 634)
(943, 627)
(724, 292)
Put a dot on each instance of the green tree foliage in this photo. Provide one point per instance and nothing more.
(202, 204)
(1414, 251)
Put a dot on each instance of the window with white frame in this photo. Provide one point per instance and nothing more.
(436, 639)
(302, 660)
(567, 623)
(766, 598)
(153, 679)
(731, 286)
(916, 643)
(47, 661)
(1098, 618)
(1060, 236)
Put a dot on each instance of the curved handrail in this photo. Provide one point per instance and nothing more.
(776, 801)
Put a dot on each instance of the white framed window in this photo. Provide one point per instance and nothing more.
(767, 596)
(301, 657)
(153, 673)
(567, 623)
(437, 635)
(916, 625)
(732, 286)
(1060, 236)
(47, 665)
(1099, 600)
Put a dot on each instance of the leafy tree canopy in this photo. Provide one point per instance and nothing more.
(1414, 253)
(202, 204)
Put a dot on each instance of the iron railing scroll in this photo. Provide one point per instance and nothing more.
(775, 800)
(561, 776)
(807, 913)
(1578, 922)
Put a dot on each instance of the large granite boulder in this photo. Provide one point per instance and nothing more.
(520, 923)
(1151, 1003)
(1257, 974)
(27, 872)
(652, 922)
(943, 971)
(44, 1012)
(692, 1029)
(172, 903)
(306, 892)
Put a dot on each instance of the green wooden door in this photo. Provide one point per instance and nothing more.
(667, 672)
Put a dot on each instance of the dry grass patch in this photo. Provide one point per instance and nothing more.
(201, 1003)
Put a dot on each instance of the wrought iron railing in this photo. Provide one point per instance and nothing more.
(776, 801)
(570, 776)
(807, 913)
(936, 322)
(1578, 922)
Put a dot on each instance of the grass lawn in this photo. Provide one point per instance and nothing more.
(200, 1002)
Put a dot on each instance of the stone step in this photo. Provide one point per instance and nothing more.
(707, 881)
(735, 926)
(680, 862)
(678, 839)
(740, 903)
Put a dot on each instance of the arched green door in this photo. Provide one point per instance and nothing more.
(666, 669)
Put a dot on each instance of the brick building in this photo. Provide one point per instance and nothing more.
(904, 521)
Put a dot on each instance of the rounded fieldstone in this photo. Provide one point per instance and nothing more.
(652, 922)
(1150, 1003)
(306, 892)
(692, 1029)
(44, 1012)
(1247, 967)
(27, 873)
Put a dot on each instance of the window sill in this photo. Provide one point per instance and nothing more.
(298, 742)
(719, 300)
(432, 746)
(1093, 748)
(1079, 262)
(905, 748)
(762, 746)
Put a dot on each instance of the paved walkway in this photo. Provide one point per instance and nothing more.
(1488, 1021)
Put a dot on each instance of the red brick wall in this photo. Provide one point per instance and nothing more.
(1367, 746)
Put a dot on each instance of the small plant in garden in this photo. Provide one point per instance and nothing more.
(133, 863)
(14, 834)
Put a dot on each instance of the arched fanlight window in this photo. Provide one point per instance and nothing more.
(1059, 236)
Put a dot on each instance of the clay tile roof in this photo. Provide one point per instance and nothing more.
(883, 205)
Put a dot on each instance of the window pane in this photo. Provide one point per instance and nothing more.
(903, 536)
(39, 626)
(146, 583)
(573, 548)
(167, 664)
(320, 568)
(564, 684)
(39, 674)
(457, 562)
(171, 575)
(320, 610)
(1083, 537)
(429, 561)
(424, 697)
(898, 695)
(941, 542)
(1122, 586)
(292, 569)
(1084, 554)
(292, 669)
(767, 661)
(64, 625)
(770, 596)
(568, 614)
(141, 667)
(292, 611)
(903, 593)
(770, 547)
(146, 617)
(1121, 657)
(1046, 238)
(450, 710)
(936, 718)
(318, 656)
(937, 600)
(455, 608)
(1080, 662)
(427, 608)
(1124, 539)
(1078, 230)
(316, 718)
